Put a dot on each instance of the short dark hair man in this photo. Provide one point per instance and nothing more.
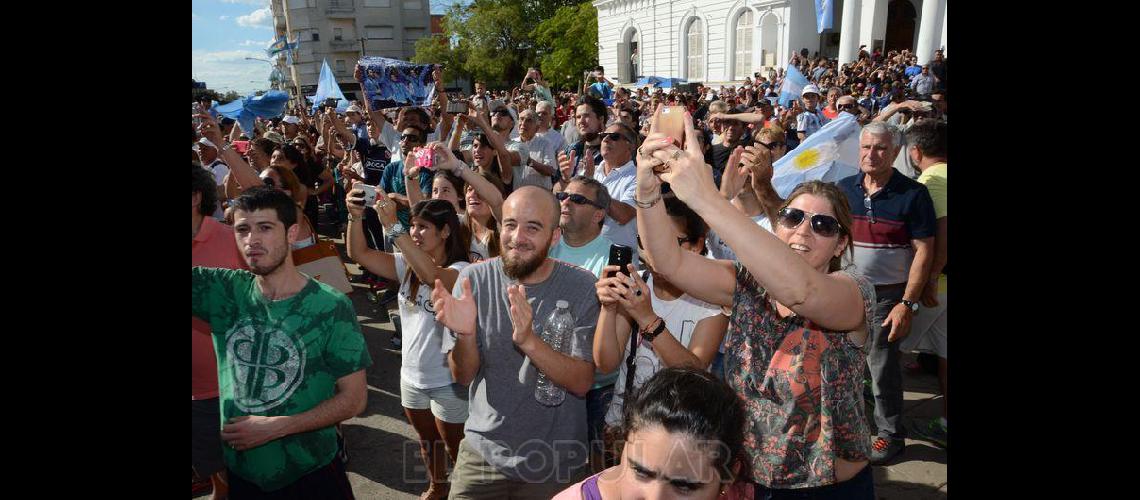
(590, 117)
(583, 211)
(291, 358)
(513, 445)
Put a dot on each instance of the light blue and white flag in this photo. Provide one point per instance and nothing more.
(824, 14)
(829, 154)
(794, 83)
(268, 105)
(326, 87)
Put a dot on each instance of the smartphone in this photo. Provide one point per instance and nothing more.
(369, 194)
(457, 107)
(671, 122)
(620, 255)
(425, 158)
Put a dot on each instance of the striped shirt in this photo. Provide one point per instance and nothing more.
(899, 212)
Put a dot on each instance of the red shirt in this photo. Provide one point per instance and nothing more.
(214, 246)
(831, 115)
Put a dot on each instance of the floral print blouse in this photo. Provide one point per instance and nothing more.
(801, 387)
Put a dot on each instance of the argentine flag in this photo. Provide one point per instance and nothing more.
(830, 154)
(824, 14)
(268, 105)
(794, 83)
(326, 88)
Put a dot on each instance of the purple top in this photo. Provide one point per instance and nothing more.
(590, 488)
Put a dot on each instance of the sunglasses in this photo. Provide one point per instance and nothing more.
(576, 198)
(844, 107)
(869, 208)
(410, 137)
(613, 136)
(823, 225)
(772, 145)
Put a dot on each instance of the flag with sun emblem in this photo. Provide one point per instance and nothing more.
(828, 155)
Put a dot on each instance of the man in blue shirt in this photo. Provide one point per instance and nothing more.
(602, 85)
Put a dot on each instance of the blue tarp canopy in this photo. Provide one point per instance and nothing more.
(660, 81)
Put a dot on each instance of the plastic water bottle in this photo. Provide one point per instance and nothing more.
(556, 333)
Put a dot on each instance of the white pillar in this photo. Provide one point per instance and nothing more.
(928, 28)
(782, 46)
(943, 44)
(849, 32)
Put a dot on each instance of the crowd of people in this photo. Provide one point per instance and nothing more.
(737, 350)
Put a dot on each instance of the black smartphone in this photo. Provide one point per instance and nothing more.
(620, 255)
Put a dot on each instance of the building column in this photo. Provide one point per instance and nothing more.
(849, 32)
(782, 45)
(928, 28)
(943, 44)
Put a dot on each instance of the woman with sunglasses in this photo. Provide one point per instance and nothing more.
(285, 180)
(430, 249)
(673, 328)
(481, 206)
(794, 353)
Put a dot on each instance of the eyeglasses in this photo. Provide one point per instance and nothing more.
(576, 198)
(410, 137)
(614, 136)
(823, 225)
(869, 208)
(844, 107)
(772, 145)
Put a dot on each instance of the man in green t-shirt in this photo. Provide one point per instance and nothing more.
(291, 359)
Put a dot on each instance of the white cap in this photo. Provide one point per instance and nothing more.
(291, 119)
(354, 109)
(809, 89)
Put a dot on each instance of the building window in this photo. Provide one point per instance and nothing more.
(696, 50)
(377, 3)
(338, 34)
(413, 34)
(378, 32)
(412, 4)
(744, 45)
(316, 36)
(340, 66)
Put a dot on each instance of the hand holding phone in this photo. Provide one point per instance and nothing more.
(620, 255)
(671, 122)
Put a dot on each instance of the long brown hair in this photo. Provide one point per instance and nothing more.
(839, 204)
(440, 214)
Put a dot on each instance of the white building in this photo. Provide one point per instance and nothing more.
(727, 40)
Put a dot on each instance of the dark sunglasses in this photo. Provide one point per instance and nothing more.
(680, 241)
(823, 225)
(844, 107)
(576, 198)
(613, 136)
(410, 137)
(772, 145)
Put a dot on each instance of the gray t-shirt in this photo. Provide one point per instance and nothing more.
(512, 431)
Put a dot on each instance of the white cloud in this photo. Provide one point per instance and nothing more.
(255, 43)
(223, 18)
(260, 18)
(228, 70)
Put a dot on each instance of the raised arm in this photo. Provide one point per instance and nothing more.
(376, 261)
(421, 263)
(831, 301)
(244, 174)
(611, 334)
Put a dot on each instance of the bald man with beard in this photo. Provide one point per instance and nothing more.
(513, 445)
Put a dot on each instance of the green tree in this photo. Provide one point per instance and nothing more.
(568, 44)
(229, 97)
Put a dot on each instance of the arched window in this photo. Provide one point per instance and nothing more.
(744, 45)
(696, 50)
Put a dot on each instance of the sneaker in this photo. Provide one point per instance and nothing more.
(883, 449)
(931, 430)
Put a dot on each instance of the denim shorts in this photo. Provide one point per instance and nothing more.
(447, 403)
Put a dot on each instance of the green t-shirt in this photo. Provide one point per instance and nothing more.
(277, 358)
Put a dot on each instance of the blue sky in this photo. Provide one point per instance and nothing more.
(225, 32)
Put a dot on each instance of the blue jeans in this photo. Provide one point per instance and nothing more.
(860, 487)
(597, 403)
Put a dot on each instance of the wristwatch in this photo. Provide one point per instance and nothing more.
(913, 306)
(396, 230)
(649, 336)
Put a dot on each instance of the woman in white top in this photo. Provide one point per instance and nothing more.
(481, 206)
(430, 249)
(674, 328)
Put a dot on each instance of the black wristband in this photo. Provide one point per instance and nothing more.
(649, 336)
